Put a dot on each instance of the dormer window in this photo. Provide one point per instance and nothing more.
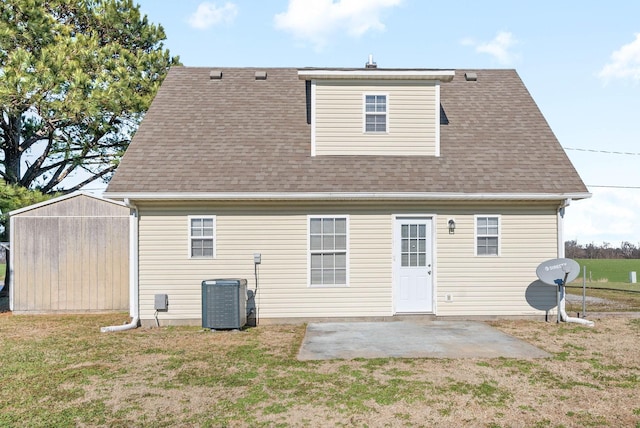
(374, 112)
(375, 116)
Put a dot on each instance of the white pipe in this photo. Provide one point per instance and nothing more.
(560, 243)
(133, 274)
(133, 324)
(561, 307)
(563, 314)
(11, 262)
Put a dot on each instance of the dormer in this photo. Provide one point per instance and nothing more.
(374, 111)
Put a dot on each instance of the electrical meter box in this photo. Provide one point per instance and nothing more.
(224, 304)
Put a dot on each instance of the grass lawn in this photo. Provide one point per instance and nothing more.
(3, 268)
(60, 371)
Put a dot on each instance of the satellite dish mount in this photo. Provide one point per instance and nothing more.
(559, 272)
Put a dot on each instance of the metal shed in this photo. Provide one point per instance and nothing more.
(70, 254)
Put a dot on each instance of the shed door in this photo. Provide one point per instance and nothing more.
(413, 260)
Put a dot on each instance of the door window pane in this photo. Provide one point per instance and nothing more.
(413, 245)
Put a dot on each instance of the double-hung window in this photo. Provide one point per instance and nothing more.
(375, 113)
(328, 250)
(487, 235)
(202, 237)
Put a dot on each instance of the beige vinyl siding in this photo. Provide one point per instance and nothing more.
(497, 285)
(281, 238)
(411, 118)
(479, 285)
(71, 256)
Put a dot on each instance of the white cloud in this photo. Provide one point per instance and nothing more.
(499, 47)
(610, 215)
(624, 64)
(317, 21)
(209, 14)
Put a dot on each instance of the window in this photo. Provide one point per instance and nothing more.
(413, 250)
(487, 235)
(201, 237)
(375, 107)
(327, 250)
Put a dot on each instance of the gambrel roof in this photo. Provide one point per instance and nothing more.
(238, 135)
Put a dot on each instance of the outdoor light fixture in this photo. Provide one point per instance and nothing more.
(452, 226)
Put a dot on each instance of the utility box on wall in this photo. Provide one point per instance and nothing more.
(224, 303)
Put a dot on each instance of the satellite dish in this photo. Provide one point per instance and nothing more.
(553, 271)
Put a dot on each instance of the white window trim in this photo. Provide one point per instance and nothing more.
(364, 114)
(475, 235)
(346, 284)
(189, 237)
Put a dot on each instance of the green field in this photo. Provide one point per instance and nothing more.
(609, 270)
(607, 279)
(2, 270)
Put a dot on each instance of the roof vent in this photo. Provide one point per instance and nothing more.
(215, 74)
(370, 63)
(470, 77)
(261, 75)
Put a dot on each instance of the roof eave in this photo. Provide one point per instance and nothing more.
(378, 74)
(343, 196)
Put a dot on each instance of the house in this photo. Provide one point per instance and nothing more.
(363, 193)
(70, 254)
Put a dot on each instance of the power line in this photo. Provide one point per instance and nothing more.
(614, 187)
(609, 152)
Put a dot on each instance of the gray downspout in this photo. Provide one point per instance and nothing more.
(133, 274)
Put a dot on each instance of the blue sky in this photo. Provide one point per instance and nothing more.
(579, 60)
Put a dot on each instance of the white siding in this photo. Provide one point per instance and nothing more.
(411, 110)
(479, 285)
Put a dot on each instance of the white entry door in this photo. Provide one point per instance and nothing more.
(413, 265)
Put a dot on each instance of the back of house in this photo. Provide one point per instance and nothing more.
(346, 193)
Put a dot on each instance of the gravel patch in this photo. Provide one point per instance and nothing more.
(573, 298)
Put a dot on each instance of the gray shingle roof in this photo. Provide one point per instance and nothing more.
(238, 134)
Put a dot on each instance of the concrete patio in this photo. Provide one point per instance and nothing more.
(411, 339)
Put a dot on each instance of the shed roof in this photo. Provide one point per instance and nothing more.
(93, 206)
(238, 135)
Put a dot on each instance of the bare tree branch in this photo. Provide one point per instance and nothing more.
(92, 179)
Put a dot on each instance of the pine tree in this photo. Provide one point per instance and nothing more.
(13, 197)
(76, 76)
